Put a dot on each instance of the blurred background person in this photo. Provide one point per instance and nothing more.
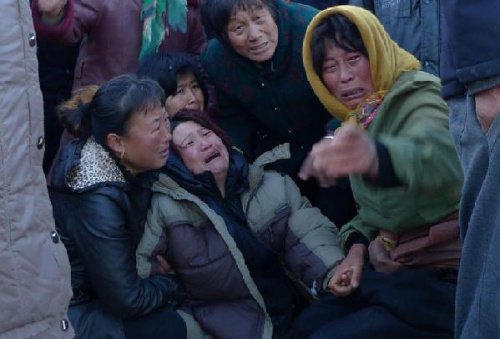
(416, 26)
(35, 273)
(471, 85)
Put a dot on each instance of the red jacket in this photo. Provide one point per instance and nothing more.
(111, 34)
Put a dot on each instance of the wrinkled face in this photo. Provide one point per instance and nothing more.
(253, 33)
(347, 75)
(147, 142)
(201, 149)
(188, 95)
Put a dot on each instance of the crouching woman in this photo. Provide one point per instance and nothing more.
(100, 195)
(237, 236)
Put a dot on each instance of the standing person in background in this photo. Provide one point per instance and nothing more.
(320, 4)
(414, 25)
(116, 34)
(56, 66)
(35, 276)
(255, 64)
(471, 84)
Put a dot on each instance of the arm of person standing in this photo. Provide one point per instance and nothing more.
(73, 21)
(196, 32)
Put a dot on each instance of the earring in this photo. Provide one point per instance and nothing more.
(122, 153)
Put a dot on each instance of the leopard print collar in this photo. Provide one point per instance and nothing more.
(96, 166)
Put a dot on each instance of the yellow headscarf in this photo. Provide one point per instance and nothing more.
(387, 59)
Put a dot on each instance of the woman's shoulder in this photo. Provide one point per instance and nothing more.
(171, 203)
(268, 186)
(411, 80)
(415, 88)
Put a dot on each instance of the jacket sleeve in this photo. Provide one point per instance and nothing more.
(197, 36)
(154, 241)
(422, 152)
(80, 18)
(356, 225)
(107, 249)
(312, 246)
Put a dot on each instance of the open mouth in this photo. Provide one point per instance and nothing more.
(259, 48)
(212, 157)
(353, 94)
(165, 152)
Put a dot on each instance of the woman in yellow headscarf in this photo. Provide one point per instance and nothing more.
(396, 149)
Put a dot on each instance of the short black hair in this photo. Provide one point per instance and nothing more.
(215, 14)
(165, 67)
(339, 30)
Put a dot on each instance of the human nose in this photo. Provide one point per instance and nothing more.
(205, 144)
(190, 97)
(165, 129)
(345, 74)
(254, 32)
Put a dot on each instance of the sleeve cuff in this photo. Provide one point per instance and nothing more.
(386, 175)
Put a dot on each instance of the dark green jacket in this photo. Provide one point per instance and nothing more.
(413, 125)
(261, 108)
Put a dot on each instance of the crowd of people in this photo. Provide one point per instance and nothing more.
(249, 169)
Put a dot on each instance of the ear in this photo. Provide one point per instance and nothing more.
(115, 143)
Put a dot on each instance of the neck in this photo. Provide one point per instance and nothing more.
(220, 181)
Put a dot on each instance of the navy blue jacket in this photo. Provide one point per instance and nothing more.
(471, 40)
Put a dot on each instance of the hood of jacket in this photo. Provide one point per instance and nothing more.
(240, 173)
(85, 164)
(387, 59)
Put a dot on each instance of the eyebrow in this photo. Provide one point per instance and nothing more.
(187, 136)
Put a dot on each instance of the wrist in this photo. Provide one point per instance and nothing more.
(357, 250)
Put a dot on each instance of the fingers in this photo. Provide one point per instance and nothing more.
(163, 264)
(356, 276)
(306, 170)
(341, 283)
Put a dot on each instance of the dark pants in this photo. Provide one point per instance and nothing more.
(90, 321)
(411, 304)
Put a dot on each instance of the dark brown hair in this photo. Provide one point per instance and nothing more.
(202, 119)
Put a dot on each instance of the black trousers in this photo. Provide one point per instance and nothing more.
(89, 320)
(416, 304)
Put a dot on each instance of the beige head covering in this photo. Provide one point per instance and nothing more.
(387, 59)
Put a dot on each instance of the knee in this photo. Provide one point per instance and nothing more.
(172, 326)
(304, 325)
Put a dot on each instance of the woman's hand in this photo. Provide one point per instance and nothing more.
(488, 107)
(163, 266)
(350, 151)
(51, 8)
(381, 260)
(347, 274)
